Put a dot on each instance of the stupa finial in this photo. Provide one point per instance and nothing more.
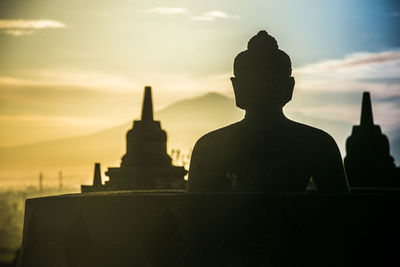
(366, 111)
(97, 175)
(147, 106)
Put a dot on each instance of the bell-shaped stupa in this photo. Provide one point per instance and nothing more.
(368, 161)
(146, 163)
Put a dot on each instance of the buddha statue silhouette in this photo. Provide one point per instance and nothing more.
(265, 152)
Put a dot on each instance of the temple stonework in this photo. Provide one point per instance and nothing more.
(368, 162)
(146, 163)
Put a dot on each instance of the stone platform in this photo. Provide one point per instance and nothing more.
(171, 228)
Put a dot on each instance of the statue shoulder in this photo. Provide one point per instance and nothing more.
(219, 137)
(313, 134)
(207, 165)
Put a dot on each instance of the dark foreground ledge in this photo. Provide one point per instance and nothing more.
(176, 229)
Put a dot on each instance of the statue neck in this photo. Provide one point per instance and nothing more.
(265, 115)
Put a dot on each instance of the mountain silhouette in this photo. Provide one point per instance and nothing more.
(185, 121)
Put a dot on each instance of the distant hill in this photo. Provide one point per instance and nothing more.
(185, 121)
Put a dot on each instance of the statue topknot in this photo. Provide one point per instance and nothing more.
(263, 55)
(262, 43)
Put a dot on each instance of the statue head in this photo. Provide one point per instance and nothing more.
(262, 75)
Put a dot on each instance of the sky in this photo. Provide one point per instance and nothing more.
(70, 68)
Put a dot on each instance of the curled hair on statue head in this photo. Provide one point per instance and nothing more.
(263, 56)
(262, 43)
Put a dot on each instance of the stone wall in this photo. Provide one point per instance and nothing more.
(176, 229)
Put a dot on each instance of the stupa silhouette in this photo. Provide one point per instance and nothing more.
(368, 162)
(146, 164)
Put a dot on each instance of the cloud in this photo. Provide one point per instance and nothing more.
(167, 10)
(17, 32)
(30, 24)
(206, 16)
(213, 15)
(379, 72)
(65, 78)
(357, 59)
(187, 84)
(18, 27)
(332, 89)
(55, 120)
